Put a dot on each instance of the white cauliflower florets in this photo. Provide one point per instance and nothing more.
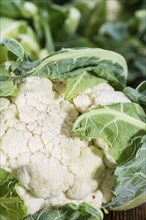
(37, 145)
(100, 95)
(82, 102)
(33, 204)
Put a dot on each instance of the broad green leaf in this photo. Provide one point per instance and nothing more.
(77, 84)
(23, 33)
(137, 95)
(4, 54)
(69, 212)
(3, 72)
(10, 28)
(12, 206)
(13, 46)
(71, 62)
(120, 125)
(8, 88)
(142, 88)
(131, 182)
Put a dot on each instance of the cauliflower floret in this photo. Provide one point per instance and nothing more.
(22, 160)
(106, 98)
(31, 126)
(60, 201)
(101, 87)
(95, 199)
(92, 168)
(3, 158)
(33, 99)
(33, 85)
(9, 113)
(108, 183)
(4, 104)
(26, 114)
(52, 176)
(3, 129)
(100, 95)
(33, 204)
(70, 109)
(35, 143)
(82, 102)
(14, 143)
(108, 159)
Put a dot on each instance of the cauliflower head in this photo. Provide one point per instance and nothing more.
(53, 166)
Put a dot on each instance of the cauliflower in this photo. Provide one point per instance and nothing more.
(37, 145)
(100, 95)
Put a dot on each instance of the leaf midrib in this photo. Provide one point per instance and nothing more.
(75, 54)
(122, 116)
(75, 85)
(4, 200)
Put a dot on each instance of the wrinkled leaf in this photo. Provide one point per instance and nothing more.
(142, 88)
(77, 84)
(137, 95)
(12, 206)
(71, 62)
(13, 46)
(69, 212)
(4, 54)
(4, 74)
(120, 125)
(131, 182)
(7, 87)
(23, 33)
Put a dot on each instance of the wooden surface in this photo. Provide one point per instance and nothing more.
(138, 213)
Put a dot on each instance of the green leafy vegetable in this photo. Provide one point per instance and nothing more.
(12, 206)
(137, 95)
(69, 212)
(142, 88)
(7, 88)
(13, 9)
(23, 33)
(76, 85)
(81, 23)
(13, 46)
(120, 125)
(4, 53)
(71, 62)
(131, 182)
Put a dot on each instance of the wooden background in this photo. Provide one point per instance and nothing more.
(138, 213)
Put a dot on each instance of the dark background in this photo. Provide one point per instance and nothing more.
(138, 213)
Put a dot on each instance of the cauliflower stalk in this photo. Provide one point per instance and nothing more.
(53, 166)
